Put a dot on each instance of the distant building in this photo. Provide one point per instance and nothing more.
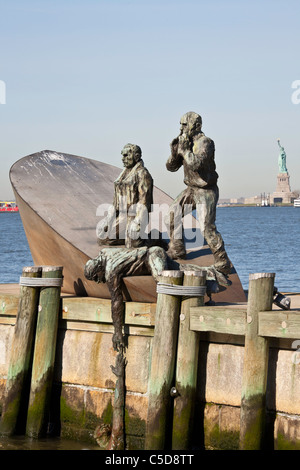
(231, 201)
(253, 200)
(237, 200)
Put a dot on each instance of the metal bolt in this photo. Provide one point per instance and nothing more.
(174, 392)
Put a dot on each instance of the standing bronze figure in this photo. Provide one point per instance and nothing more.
(195, 152)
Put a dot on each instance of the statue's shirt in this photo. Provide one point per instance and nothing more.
(198, 163)
(136, 185)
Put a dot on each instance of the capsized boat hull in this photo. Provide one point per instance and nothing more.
(58, 195)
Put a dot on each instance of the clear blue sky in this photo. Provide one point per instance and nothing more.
(87, 77)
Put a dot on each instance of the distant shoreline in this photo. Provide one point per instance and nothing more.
(253, 205)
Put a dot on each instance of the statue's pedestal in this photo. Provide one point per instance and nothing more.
(283, 183)
(283, 192)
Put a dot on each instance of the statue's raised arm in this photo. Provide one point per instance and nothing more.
(278, 141)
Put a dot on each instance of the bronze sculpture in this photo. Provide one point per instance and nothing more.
(110, 266)
(126, 224)
(195, 152)
(128, 216)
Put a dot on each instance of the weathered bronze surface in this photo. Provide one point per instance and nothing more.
(127, 218)
(195, 152)
(118, 261)
(59, 196)
(111, 266)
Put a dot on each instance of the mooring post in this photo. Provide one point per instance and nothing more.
(163, 358)
(256, 354)
(186, 364)
(21, 353)
(44, 351)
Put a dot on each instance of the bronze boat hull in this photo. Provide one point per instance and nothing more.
(58, 195)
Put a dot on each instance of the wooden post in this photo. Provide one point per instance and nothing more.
(21, 354)
(44, 353)
(186, 366)
(163, 359)
(253, 402)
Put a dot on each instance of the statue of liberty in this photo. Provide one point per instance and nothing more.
(282, 159)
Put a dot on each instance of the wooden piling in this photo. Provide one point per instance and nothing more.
(253, 400)
(162, 363)
(44, 354)
(21, 354)
(186, 366)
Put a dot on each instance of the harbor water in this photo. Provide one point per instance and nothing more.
(257, 239)
(263, 239)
